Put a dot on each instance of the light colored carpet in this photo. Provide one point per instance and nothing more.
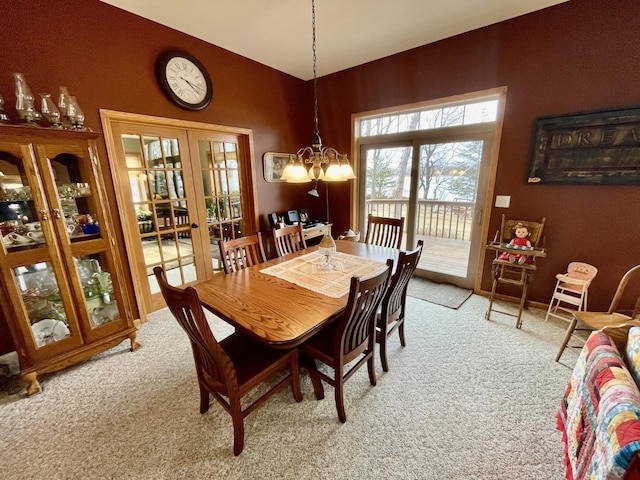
(443, 294)
(466, 399)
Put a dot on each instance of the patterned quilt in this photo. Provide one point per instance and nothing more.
(599, 416)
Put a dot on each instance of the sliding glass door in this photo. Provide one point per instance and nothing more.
(438, 185)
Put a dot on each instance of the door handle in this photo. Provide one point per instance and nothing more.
(194, 225)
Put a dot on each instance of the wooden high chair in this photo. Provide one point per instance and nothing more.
(514, 273)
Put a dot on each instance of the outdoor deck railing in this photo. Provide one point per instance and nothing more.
(435, 218)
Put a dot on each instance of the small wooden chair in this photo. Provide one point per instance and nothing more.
(391, 315)
(288, 239)
(571, 292)
(232, 367)
(385, 232)
(242, 252)
(351, 337)
(506, 271)
(598, 320)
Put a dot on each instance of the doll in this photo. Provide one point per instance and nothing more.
(520, 240)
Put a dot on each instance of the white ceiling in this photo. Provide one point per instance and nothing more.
(277, 33)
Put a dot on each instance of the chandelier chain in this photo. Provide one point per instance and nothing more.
(315, 76)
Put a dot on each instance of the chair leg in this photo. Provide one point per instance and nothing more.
(401, 332)
(383, 350)
(525, 288)
(204, 398)
(372, 369)
(492, 296)
(567, 337)
(238, 425)
(339, 390)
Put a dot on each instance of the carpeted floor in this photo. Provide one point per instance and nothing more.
(443, 294)
(466, 399)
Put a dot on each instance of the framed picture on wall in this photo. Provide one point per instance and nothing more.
(601, 148)
(274, 164)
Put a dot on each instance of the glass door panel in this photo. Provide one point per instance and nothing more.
(435, 185)
(387, 184)
(98, 290)
(20, 201)
(79, 208)
(223, 197)
(45, 309)
(164, 208)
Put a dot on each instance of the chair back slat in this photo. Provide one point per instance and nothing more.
(242, 252)
(385, 232)
(395, 298)
(289, 239)
(358, 323)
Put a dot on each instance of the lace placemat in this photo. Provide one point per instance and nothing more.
(306, 271)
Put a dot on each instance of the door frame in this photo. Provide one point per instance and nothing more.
(111, 118)
(501, 94)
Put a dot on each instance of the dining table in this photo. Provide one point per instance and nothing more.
(279, 312)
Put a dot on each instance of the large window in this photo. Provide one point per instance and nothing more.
(430, 164)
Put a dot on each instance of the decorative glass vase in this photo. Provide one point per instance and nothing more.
(75, 114)
(24, 101)
(3, 116)
(327, 247)
(50, 111)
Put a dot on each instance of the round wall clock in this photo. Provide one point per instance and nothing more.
(184, 80)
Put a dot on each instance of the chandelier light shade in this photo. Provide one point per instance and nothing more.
(317, 162)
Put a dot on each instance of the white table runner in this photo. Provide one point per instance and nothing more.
(305, 271)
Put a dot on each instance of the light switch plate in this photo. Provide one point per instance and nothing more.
(503, 201)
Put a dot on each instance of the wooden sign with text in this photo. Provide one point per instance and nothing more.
(591, 148)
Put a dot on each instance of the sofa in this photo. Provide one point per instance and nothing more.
(599, 415)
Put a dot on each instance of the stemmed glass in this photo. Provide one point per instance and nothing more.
(327, 247)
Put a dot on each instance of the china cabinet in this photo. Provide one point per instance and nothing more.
(60, 267)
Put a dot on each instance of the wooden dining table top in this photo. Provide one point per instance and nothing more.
(274, 311)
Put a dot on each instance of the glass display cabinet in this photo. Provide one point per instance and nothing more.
(59, 263)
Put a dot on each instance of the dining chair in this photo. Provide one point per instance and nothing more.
(289, 239)
(385, 232)
(598, 320)
(347, 339)
(232, 367)
(242, 252)
(390, 316)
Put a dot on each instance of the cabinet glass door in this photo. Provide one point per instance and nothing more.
(71, 190)
(98, 291)
(20, 201)
(44, 303)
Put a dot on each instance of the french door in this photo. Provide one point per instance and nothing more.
(180, 191)
(438, 183)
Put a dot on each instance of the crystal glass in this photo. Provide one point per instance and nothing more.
(24, 100)
(327, 247)
(75, 114)
(50, 111)
(3, 116)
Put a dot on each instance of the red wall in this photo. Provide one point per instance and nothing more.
(575, 57)
(578, 56)
(105, 57)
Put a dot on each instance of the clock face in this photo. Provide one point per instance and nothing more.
(184, 79)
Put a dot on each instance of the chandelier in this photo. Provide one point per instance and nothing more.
(307, 164)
